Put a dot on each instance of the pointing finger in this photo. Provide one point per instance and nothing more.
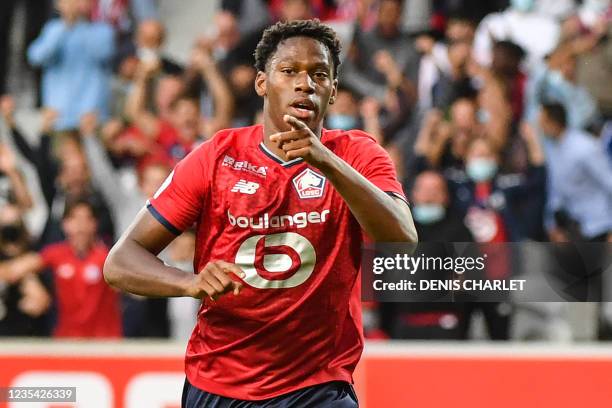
(295, 122)
(233, 268)
(284, 137)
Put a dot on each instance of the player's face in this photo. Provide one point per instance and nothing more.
(298, 81)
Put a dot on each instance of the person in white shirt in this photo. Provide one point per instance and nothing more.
(536, 33)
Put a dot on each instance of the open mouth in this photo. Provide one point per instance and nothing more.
(302, 109)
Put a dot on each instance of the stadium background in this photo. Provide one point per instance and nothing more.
(441, 84)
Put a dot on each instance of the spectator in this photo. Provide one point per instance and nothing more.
(432, 212)
(86, 305)
(74, 55)
(594, 68)
(13, 188)
(555, 81)
(434, 221)
(142, 317)
(537, 34)
(442, 71)
(506, 65)
(23, 302)
(61, 179)
(384, 59)
(580, 186)
(181, 131)
(124, 202)
(494, 107)
(348, 113)
(149, 42)
(460, 28)
(476, 198)
(443, 144)
(227, 44)
(121, 85)
(241, 79)
(499, 207)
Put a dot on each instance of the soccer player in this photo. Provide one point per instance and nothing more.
(279, 212)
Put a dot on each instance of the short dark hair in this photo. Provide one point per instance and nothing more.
(556, 112)
(281, 31)
(185, 97)
(73, 204)
(513, 49)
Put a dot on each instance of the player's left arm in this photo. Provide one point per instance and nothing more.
(383, 217)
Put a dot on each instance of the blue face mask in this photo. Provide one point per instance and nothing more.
(428, 213)
(481, 169)
(483, 116)
(523, 5)
(344, 122)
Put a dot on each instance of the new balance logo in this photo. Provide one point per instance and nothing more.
(245, 187)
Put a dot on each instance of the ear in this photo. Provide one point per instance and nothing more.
(260, 83)
(334, 92)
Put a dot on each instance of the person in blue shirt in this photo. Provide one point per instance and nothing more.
(74, 55)
(579, 203)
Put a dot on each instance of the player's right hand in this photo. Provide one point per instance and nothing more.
(214, 280)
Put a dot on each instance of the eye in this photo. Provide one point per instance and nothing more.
(321, 75)
(287, 70)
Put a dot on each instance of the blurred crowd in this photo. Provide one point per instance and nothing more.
(496, 114)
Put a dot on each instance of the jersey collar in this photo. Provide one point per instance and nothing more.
(277, 159)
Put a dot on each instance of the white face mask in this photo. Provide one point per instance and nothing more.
(481, 169)
(555, 78)
(523, 6)
(147, 54)
(596, 6)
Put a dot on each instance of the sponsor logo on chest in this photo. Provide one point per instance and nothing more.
(265, 221)
(244, 165)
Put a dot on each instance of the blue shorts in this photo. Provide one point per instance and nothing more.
(336, 394)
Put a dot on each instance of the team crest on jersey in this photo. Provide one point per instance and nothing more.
(309, 184)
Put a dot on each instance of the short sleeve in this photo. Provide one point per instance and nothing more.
(373, 162)
(178, 202)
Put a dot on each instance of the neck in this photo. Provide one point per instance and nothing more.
(270, 128)
(559, 133)
(388, 32)
(81, 248)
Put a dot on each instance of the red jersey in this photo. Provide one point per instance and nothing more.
(297, 320)
(86, 305)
